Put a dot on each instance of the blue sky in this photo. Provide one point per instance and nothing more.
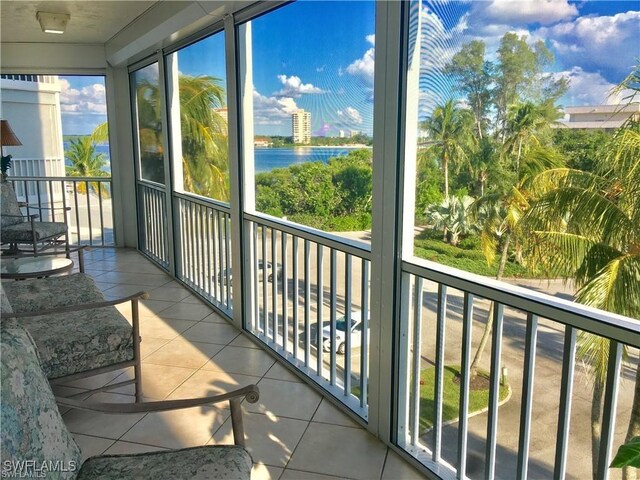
(319, 56)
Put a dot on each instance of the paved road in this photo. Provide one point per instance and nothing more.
(546, 380)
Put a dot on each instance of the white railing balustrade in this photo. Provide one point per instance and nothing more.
(90, 214)
(310, 303)
(442, 321)
(203, 260)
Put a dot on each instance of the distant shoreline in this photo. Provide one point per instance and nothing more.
(351, 145)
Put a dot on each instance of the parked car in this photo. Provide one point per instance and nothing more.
(279, 273)
(227, 273)
(341, 328)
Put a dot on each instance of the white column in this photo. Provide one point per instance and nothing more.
(245, 71)
(122, 158)
(385, 242)
(241, 169)
(174, 128)
(168, 180)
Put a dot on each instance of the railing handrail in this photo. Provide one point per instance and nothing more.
(606, 324)
(204, 201)
(67, 178)
(346, 245)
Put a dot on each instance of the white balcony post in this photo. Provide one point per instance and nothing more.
(385, 243)
(174, 128)
(240, 99)
(121, 144)
(408, 139)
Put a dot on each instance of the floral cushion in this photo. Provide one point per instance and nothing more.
(21, 232)
(5, 305)
(9, 206)
(219, 462)
(80, 341)
(32, 428)
(52, 292)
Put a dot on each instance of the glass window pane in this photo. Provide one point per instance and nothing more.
(146, 86)
(517, 157)
(197, 89)
(312, 112)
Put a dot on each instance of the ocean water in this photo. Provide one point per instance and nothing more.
(266, 159)
(269, 158)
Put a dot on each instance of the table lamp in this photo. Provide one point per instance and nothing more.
(7, 139)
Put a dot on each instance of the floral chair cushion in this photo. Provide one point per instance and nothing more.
(32, 428)
(5, 305)
(219, 462)
(52, 292)
(80, 341)
(9, 206)
(21, 232)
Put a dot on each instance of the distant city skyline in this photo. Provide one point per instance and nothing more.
(325, 66)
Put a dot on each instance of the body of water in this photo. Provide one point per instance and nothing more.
(268, 159)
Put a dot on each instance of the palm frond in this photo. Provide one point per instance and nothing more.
(615, 288)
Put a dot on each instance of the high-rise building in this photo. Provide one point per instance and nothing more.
(301, 126)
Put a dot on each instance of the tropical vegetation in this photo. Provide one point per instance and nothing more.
(86, 162)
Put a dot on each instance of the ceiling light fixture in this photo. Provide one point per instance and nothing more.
(53, 22)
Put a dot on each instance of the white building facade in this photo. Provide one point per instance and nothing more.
(301, 127)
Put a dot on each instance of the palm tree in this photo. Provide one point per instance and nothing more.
(86, 162)
(452, 216)
(526, 124)
(586, 226)
(204, 136)
(449, 129)
(502, 214)
(203, 129)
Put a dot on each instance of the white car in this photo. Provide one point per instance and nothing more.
(341, 327)
(225, 274)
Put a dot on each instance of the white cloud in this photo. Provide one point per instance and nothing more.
(88, 100)
(371, 39)
(362, 68)
(605, 43)
(350, 115)
(512, 12)
(293, 87)
(589, 88)
(272, 110)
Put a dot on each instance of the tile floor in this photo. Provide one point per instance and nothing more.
(292, 432)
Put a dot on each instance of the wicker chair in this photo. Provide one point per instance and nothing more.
(77, 332)
(35, 439)
(18, 229)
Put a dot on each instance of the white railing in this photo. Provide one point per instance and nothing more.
(90, 214)
(152, 223)
(442, 313)
(203, 260)
(303, 288)
(307, 287)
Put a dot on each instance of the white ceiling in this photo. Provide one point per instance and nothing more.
(92, 21)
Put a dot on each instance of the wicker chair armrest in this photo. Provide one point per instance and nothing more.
(37, 207)
(234, 397)
(250, 393)
(79, 307)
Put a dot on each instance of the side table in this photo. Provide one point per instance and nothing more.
(34, 267)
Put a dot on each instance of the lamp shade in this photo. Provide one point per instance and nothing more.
(9, 138)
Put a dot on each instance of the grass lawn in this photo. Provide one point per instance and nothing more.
(466, 256)
(478, 399)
